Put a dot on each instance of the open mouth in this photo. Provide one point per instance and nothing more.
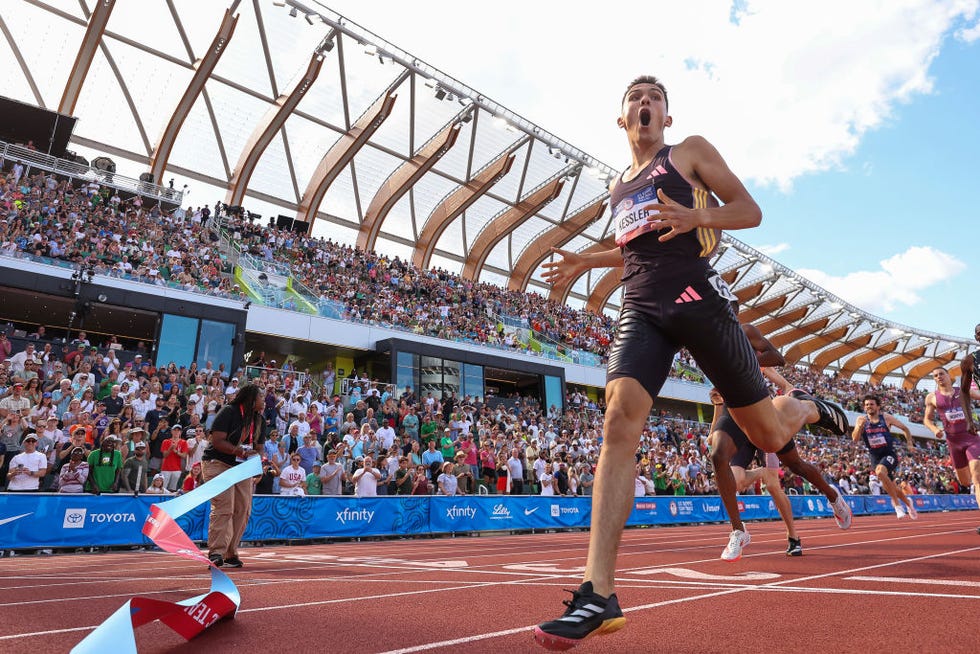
(645, 117)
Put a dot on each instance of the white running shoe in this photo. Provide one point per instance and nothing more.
(736, 541)
(912, 512)
(899, 511)
(842, 510)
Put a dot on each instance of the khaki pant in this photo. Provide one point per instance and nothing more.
(229, 512)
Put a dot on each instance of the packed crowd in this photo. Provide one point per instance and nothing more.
(849, 393)
(82, 422)
(379, 289)
(92, 227)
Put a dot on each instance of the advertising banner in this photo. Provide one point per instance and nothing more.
(53, 520)
(63, 520)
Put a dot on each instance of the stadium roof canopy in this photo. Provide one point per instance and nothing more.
(287, 108)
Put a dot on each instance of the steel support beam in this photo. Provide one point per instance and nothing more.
(885, 367)
(751, 314)
(801, 349)
(540, 248)
(832, 354)
(203, 69)
(784, 320)
(454, 204)
(603, 290)
(398, 183)
(855, 363)
(266, 130)
(343, 151)
(86, 52)
(796, 334)
(921, 370)
(505, 222)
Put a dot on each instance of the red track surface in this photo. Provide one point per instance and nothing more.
(884, 585)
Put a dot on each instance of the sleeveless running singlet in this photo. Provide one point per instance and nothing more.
(951, 414)
(635, 201)
(877, 436)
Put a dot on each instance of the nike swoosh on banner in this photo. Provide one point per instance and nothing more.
(16, 517)
(530, 511)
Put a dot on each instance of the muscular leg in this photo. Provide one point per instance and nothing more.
(808, 471)
(763, 425)
(771, 480)
(722, 450)
(628, 406)
(971, 474)
(898, 497)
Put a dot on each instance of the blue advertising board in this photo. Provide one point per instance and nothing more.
(53, 520)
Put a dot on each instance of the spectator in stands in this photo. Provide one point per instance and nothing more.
(74, 474)
(105, 466)
(448, 482)
(174, 450)
(515, 470)
(433, 460)
(158, 486)
(366, 478)
(135, 471)
(292, 479)
(332, 475)
(420, 481)
(27, 468)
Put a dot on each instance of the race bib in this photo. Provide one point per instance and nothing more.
(631, 215)
(721, 286)
(955, 415)
(877, 440)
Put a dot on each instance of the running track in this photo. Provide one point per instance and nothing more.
(884, 585)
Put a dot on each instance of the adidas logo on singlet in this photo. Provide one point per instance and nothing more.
(689, 295)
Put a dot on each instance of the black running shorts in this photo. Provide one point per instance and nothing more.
(691, 311)
(745, 451)
(887, 458)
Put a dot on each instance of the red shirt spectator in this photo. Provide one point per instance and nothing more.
(174, 449)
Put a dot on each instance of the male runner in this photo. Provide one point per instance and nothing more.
(874, 429)
(968, 368)
(668, 221)
(964, 445)
(732, 452)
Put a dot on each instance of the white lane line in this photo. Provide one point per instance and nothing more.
(907, 580)
(770, 586)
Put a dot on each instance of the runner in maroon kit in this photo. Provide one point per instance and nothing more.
(964, 444)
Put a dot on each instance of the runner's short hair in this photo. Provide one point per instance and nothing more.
(647, 79)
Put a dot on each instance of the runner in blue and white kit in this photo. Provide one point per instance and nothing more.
(874, 429)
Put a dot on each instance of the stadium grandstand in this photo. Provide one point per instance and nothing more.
(362, 235)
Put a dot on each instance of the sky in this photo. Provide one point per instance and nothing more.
(853, 124)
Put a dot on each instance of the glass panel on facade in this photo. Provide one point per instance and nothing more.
(552, 392)
(406, 370)
(178, 340)
(473, 382)
(215, 343)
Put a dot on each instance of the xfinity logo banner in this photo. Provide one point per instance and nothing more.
(456, 512)
(354, 515)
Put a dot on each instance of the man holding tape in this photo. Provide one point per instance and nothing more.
(237, 434)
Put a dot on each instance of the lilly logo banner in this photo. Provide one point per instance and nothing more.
(188, 617)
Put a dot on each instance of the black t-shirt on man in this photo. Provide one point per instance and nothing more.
(231, 420)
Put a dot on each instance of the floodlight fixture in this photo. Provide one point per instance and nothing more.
(293, 12)
(440, 93)
(309, 18)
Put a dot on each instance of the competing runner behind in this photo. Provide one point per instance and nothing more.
(964, 445)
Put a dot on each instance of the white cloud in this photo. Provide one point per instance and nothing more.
(784, 90)
(773, 250)
(969, 34)
(901, 279)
